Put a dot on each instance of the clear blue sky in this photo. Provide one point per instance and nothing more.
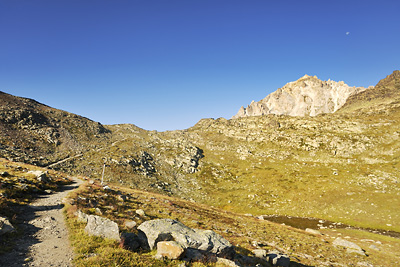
(165, 64)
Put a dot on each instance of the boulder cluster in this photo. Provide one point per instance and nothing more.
(175, 241)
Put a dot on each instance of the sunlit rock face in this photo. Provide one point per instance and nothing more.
(308, 96)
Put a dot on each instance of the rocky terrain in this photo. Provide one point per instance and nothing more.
(35, 133)
(183, 233)
(308, 96)
(341, 167)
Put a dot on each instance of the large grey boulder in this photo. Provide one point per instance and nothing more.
(99, 226)
(154, 231)
(5, 226)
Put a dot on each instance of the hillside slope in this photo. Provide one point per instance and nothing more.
(35, 133)
(384, 96)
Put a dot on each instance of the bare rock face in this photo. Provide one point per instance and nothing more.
(308, 96)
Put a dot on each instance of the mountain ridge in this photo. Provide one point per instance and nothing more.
(307, 96)
(386, 92)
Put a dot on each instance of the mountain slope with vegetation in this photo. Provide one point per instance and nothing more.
(341, 167)
(35, 133)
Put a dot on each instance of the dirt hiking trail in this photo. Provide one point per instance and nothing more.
(44, 241)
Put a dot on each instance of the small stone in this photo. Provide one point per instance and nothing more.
(121, 198)
(41, 176)
(81, 216)
(260, 253)
(169, 249)
(140, 212)
(374, 247)
(98, 211)
(106, 188)
(130, 224)
(312, 231)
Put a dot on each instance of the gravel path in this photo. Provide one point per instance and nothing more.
(45, 237)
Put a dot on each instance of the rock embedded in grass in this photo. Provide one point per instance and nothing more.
(99, 226)
(350, 246)
(140, 212)
(41, 176)
(81, 216)
(313, 231)
(260, 253)
(130, 224)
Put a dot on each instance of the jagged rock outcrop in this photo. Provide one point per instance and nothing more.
(308, 96)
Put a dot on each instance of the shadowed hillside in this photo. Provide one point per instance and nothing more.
(35, 133)
(384, 96)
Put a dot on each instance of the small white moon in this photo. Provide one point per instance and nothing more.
(347, 33)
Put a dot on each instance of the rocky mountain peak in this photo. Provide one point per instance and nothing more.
(307, 96)
(308, 76)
